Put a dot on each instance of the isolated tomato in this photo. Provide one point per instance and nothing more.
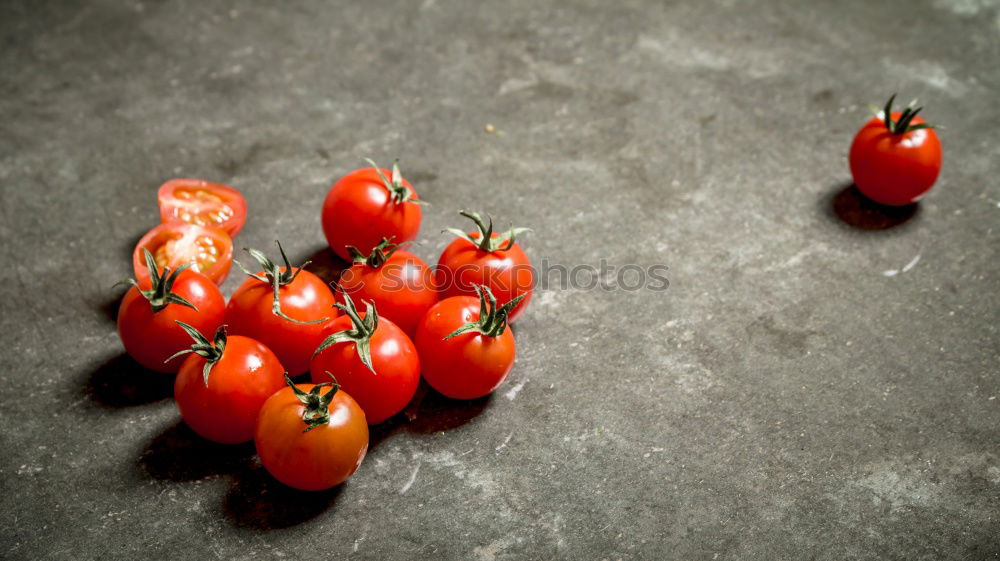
(150, 309)
(202, 203)
(895, 157)
(367, 205)
(374, 360)
(311, 440)
(222, 385)
(208, 250)
(465, 348)
(398, 282)
(284, 308)
(499, 264)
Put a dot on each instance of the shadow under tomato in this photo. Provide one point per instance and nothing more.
(122, 382)
(851, 207)
(325, 264)
(257, 500)
(179, 454)
(431, 412)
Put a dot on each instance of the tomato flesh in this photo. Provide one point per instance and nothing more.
(202, 203)
(209, 250)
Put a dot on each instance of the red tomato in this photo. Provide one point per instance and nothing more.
(895, 160)
(208, 250)
(150, 309)
(367, 205)
(288, 319)
(221, 387)
(465, 348)
(374, 360)
(500, 265)
(398, 282)
(203, 203)
(309, 440)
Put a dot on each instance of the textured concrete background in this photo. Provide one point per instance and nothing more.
(795, 394)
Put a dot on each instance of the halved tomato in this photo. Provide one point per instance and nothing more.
(202, 203)
(209, 250)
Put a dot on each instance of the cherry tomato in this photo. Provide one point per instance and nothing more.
(288, 319)
(398, 282)
(465, 348)
(311, 440)
(896, 157)
(202, 203)
(222, 385)
(374, 360)
(368, 204)
(208, 250)
(150, 309)
(500, 264)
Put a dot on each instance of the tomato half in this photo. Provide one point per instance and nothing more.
(471, 364)
(383, 375)
(209, 250)
(148, 316)
(895, 162)
(222, 404)
(202, 203)
(311, 438)
(367, 205)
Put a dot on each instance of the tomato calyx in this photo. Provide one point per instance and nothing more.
(492, 320)
(361, 335)
(398, 192)
(211, 351)
(379, 255)
(903, 125)
(160, 295)
(274, 276)
(317, 410)
(486, 242)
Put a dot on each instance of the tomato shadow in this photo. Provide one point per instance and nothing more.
(179, 454)
(431, 412)
(257, 500)
(848, 205)
(122, 382)
(325, 264)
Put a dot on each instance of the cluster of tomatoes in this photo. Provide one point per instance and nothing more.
(448, 324)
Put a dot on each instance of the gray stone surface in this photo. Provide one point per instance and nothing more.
(787, 398)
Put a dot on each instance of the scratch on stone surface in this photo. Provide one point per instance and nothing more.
(504, 443)
(409, 482)
(912, 263)
(512, 393)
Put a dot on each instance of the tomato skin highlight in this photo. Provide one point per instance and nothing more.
(390, 388)
(402, 288)
(895, 169)
(151, 337)
(508, 274)
(359, 211)
(225, 411)
(319, 459)
(210, 250)
(307, 298)
(203, 203)
(467, 366)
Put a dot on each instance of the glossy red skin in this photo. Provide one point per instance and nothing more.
(402, 288)
(319, 459)
(307, 298)
(150, 338)
(169, 204)
(359, 211)
(162, 233)
(507, 273)
(397, 369)
(467, 366)
(895, 169)
(225, 411)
